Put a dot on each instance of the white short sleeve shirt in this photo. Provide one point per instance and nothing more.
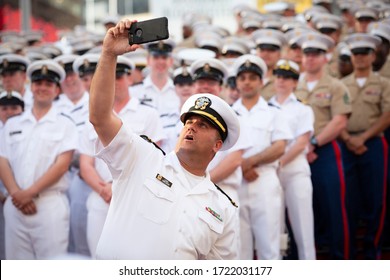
(300, 117)
(266, 124)
(154, 214)
(32, 146)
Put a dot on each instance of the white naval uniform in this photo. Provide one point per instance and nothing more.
(261, 200)
(143, 120)
(165, 101)
(31, 147)
(78, 190)
(295, 178)
(79, 112)
(232, 183)
(162, 219)
(172, 135)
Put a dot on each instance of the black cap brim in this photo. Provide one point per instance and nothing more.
(11, 101)
(286, 74)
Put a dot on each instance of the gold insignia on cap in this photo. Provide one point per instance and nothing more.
(202, 102)
(285, 66)
(310, 37)
(160, 45)
(44, 70)
(5, 63)
(86, 63)
(206, 68)
(247, 63)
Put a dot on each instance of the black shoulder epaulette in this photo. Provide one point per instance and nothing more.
(77, 108)
(67, 116)
(231, 200)
(273, 105)
(80, 123)
(146, 138)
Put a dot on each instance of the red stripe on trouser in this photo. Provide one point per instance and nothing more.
(382, 219)
(340, 170)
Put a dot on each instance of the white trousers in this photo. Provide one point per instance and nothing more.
(97, 213)
(298, 197)
(40, 236)
(260, 216)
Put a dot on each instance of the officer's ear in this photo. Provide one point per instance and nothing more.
(218, 144)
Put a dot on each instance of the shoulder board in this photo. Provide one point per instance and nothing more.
(67, 116)
(272, 105)
(142, 102)
(146, 138)
(231, 200)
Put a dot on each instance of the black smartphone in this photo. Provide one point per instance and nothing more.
(148, 31)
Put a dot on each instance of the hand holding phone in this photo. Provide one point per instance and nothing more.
(148, 31)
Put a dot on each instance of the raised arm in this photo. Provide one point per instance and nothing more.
(101, 100)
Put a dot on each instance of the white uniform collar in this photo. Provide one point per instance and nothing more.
(290, 98)
(148, 83)
(260, 105)
(131, 105)
(204, 187)
(51, 115)
(64, 100)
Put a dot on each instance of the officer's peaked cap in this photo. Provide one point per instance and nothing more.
(217, 112)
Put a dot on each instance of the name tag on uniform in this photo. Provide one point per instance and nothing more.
(15, 132)
(163, 180)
